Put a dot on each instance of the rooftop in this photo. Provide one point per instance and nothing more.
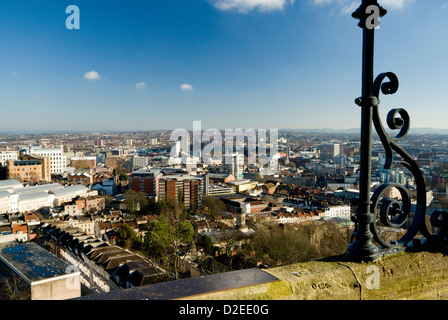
(33, 262)
(10, 183)
(241, 182)
(69, 190)
(151, 171)
(34, 196)
(27, 163)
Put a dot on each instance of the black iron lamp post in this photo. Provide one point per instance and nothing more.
(363, 248)
(379, 209)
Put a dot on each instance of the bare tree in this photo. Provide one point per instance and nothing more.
(212, 205)
(14, 288)
(230, 238)
(333, 239)
(284, 244)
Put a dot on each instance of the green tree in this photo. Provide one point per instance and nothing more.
(123, 177)
(127, 237)
(207, 244)
(169, 238)
(135, 201)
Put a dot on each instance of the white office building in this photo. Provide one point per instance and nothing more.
(342, 211)
(139, 162)
(234, 165)
(58, 160)
(5, 156)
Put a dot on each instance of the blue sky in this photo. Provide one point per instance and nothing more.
(161, 64)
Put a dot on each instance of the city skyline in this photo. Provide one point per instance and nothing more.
(230, 64)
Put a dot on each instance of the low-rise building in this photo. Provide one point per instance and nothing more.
(83, 162)
(269, 188)
(20, 230)
(80, 178)
(67, 194)
(24, 170)
(45, 164)
(91, 203)
(86, 224)
(248, 204)
(38, 274)
(14, 197)
(31, 219)
(101, 264)
(107, 186)
(72, 209)
(339, 211)
(243, 185)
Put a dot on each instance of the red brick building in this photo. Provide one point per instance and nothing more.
(146, 181)
(170, 188)
(181, 188)
(91, 203)
(80, 178)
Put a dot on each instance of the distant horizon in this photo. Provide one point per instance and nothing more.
(421, 130)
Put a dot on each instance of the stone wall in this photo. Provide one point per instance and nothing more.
(406, 276)
(418, 276)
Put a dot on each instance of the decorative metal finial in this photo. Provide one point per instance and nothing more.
(366, 10)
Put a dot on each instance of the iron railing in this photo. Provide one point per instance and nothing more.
(378, 209)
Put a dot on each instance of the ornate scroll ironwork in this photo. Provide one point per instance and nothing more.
(400, 210)
(378, 209)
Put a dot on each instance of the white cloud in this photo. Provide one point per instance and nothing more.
(92, 75)
(348, 5)
(15, 74)
(323, 1)
(394, 4)
(245, 6)
(186, 87)
(140, 85)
